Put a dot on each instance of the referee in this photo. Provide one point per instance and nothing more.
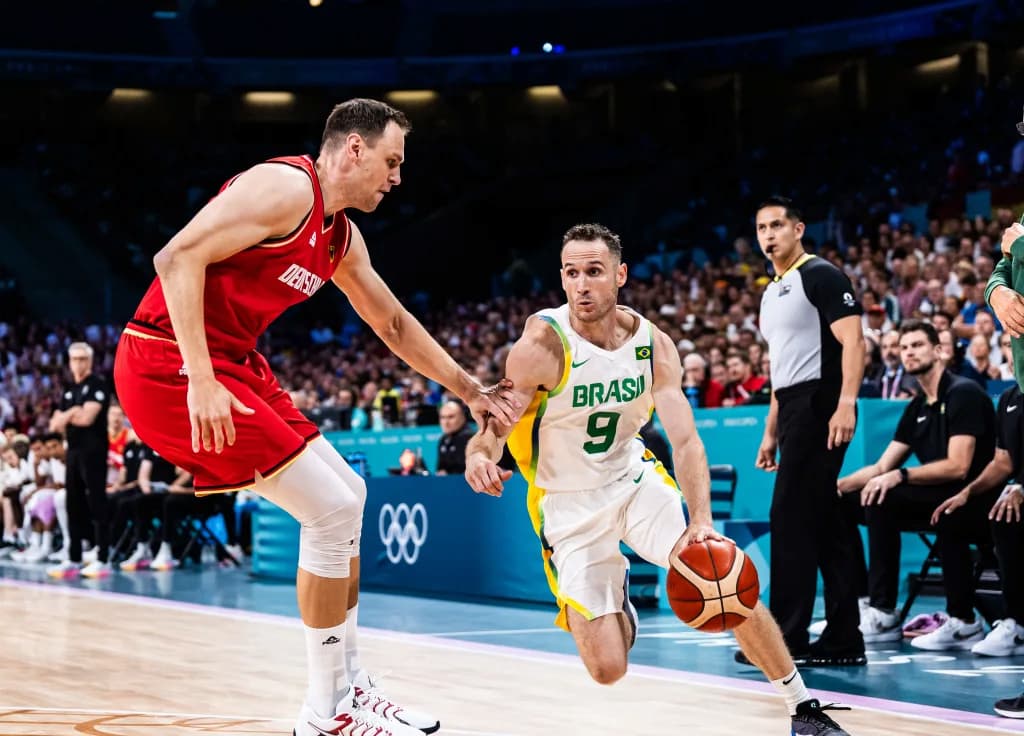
(812, 323)
(83, 417)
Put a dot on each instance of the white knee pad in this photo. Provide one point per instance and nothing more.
(327, 508)
(326, 545)
(326, 452)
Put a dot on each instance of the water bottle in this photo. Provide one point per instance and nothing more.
(693, 396)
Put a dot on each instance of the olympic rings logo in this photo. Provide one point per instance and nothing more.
(402, 531)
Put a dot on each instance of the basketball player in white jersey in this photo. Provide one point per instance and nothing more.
(588, 375)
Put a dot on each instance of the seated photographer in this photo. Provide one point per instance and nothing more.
(1007, 530)
(950, 428)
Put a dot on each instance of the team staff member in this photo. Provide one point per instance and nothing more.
(950, 428)
(816, 374)
(83, 418)
(1004, 472)
(1005, 294)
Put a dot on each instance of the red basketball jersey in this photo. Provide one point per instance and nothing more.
(249, 290)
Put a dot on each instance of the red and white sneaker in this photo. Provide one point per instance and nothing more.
(66, 570)
(349, 720)
(370, 698)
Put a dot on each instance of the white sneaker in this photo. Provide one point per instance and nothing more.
(164, 560)
(139, 560)
(235, 550)
(97, 569)
(954, 634)
(818, 627)
(370, 698)
(66, 570)
(878, 626)
(349, 720)
(34, 554)
(89, 556)
(23, 556)
(58, 556)
(1005, 640)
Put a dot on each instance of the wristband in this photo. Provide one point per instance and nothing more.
(904, 475)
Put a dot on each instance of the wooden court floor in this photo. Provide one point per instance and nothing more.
(74, 663)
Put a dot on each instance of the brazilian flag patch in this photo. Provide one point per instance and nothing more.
(643, 352)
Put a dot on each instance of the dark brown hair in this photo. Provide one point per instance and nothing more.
(366, 117)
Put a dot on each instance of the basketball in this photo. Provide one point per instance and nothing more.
(712, 586)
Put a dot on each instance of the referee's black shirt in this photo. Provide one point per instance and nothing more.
(94, 437)
(797, 312)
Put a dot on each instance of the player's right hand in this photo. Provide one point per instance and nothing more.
(766, 455)
(484, 475)
(1010, 236)
(209, 413)
(1009, 308)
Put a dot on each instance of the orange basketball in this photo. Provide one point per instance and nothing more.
(712, 586)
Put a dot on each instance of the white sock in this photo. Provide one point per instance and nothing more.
(351, 642)
(61, 505)
(792, 688)
(47, 542)
(328, 678)
(35, 540)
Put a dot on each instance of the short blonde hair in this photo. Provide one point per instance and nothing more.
(83, 347)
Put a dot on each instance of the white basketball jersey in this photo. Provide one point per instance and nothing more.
(582, 434)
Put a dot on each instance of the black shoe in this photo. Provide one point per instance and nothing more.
(817, 659)
(1011, 707)
(811, 720)
(818, 656)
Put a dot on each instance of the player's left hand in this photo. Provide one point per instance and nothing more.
(875, 489)
(842, 424)
(1007, 508)
(484, 475)
(497, 401)
(699, 531)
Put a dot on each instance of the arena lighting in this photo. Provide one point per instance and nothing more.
(946, 64)
(412, 96)
(128, 94)
(546, 93)
(315, 3)
(268, 99)
(546, 48)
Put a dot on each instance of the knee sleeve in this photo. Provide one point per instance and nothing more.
(326, 452)
(328, 509)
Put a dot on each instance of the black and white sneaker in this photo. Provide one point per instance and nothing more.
(811, 720)
(1011, 707)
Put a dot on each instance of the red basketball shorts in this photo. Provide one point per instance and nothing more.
(151, 387)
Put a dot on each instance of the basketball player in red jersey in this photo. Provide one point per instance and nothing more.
(190, 380)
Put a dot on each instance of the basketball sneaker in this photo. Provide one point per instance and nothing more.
(811, 720)
(66, 570)
(954, 634)
(878, 626)
(140, 559)
(1011, 707)
(96, 569)
(164, 559)
(1005, 640)
(349, 720)
(369, 697)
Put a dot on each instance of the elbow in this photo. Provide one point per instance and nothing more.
(168, 257)
(960, 471)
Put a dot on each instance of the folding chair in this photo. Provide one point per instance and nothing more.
(724, 480)
(987, 583)
(199, 533)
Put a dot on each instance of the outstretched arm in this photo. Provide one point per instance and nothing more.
(534, 363)
(688, 455)
(377, 305)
